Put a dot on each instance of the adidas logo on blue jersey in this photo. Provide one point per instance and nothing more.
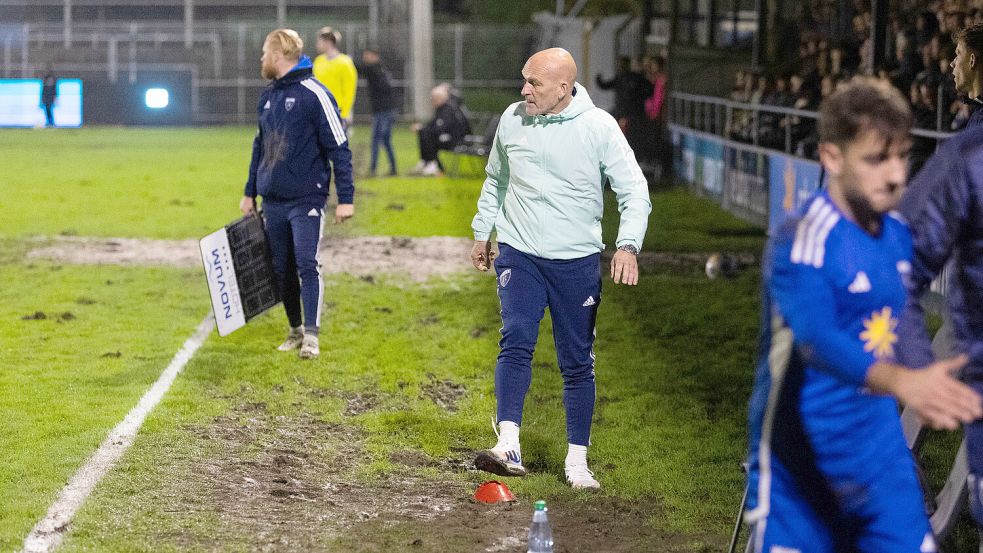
(860, 284)
(590, 301)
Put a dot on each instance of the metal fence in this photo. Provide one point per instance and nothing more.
(720, 116)
(484, 61)
(717, 117)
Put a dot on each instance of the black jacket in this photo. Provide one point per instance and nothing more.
(630, 91)
(449, 124)
(381, 93)
(49, 89)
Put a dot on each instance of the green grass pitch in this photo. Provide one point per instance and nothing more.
(367, 448)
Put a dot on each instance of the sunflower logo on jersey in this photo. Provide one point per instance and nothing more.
(878, 335)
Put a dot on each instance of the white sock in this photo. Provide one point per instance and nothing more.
(508, 435)
(576, 455)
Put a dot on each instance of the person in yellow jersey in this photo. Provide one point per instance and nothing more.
(337, 72)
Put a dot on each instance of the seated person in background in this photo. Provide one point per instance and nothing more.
(446, 130)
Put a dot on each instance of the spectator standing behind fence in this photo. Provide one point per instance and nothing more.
(829, 469)
(446, 130)
(967, 72)
(49, 93)
(656, 150)
(337, 72)
(922, 97)
(385, 107)
(631, 88)
(944, 209)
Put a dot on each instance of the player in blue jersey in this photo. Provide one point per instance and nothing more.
(829, 470)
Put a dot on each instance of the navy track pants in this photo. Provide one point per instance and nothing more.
(294, 234)
(527, 285)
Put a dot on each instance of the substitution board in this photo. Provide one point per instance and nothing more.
(239, 273)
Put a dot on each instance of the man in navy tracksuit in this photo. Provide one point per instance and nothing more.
(944, 210)
(300, 140)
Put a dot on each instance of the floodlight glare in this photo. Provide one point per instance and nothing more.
(157, 98)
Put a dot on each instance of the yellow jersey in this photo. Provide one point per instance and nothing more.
(339, 75)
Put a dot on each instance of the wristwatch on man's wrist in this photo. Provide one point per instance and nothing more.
(628, 248)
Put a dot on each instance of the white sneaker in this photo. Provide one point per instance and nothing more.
(418, 169)
(581, 478)
(294, 339)
(500, 461)
(310, 349)
(431, 169)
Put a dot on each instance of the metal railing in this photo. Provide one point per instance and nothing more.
(719, 116)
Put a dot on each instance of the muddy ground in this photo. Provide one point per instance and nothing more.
(418, 258)
(293, 483)
(364, 256)
(297, 483)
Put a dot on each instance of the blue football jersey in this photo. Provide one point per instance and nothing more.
(832, 295)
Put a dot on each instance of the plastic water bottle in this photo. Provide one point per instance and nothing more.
(540, 535)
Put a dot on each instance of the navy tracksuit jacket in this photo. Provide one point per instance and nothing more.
(944, 209)
(300, 142)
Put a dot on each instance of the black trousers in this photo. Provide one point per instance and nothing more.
(430, 144)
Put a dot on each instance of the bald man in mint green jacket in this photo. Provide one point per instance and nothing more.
(552, 155)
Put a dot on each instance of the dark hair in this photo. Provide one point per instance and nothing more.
(862, 104)
(972, 38)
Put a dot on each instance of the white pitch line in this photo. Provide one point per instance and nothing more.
(49, 531)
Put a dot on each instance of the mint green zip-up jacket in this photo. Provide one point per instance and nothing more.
(545, 180)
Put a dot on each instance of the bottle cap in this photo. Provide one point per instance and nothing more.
(540, 505)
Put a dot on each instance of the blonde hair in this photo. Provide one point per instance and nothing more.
(287, 42)
(327, 33)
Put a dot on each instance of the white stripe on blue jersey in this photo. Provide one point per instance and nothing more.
(824, 231)
(811, 233)
(815, 230)
(803, 229)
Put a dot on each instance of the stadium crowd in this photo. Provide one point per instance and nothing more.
(920, 48)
